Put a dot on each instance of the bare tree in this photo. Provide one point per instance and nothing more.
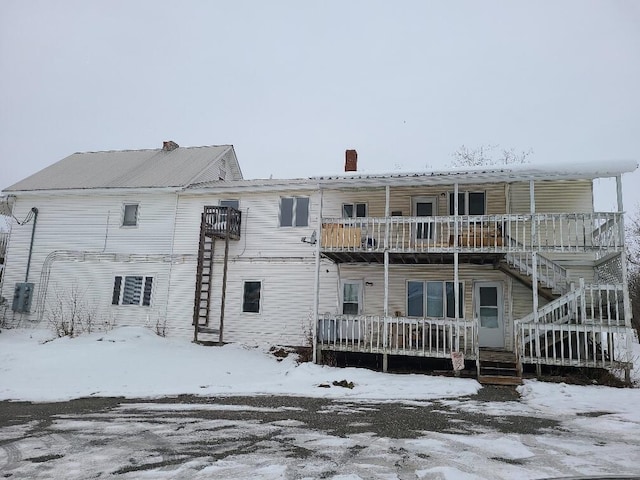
(488, 155)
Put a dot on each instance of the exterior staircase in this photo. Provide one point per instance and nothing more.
(552, 278)
(498, 367)
(204, 277)
(222, 222)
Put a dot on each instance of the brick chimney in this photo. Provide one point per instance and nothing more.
(351, 161)
(169, 146)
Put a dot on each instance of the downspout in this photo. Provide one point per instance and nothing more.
(173, 240)
(33, 233)
(316, 293)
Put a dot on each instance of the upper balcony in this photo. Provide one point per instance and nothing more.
(416, 239)
(222, 222)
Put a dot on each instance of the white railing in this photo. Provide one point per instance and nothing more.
(471, 233)
(428, 337)
(581, 328)
(588, 304)
(550, 274)
(578, 345)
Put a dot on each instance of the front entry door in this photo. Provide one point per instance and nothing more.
(489, 311)
(424, 207)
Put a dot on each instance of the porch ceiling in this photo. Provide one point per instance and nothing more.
(413, 258)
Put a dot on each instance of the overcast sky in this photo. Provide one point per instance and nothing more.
(292, 84)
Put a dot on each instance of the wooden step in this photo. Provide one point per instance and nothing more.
(208, 330)
(501, 370)
(499, 380)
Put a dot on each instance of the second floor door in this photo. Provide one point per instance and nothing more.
(424, 207)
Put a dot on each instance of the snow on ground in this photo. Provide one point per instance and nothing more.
(598, 430)
(134, 362)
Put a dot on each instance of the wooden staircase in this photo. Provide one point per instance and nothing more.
(221, 222)
(204, 277)
(498, 367)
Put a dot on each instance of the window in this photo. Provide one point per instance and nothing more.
(132, 290)
(294, 211)
(351, 297)
(230, 203)
(130, 215)
(437, 299)
(251, 297)
(351, 210)
(469, 203)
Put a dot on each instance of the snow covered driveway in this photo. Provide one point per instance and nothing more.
(272, 437)
(247, 415)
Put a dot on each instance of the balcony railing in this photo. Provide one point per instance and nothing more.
(426, 337)
(508, 233)
(223, 222)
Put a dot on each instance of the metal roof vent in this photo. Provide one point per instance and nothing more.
(169, 146)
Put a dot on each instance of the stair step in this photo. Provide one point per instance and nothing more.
(208, 330)
(499, 380)
(499, 371)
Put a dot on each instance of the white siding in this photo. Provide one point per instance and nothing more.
(266, 252)
(91, 225)
(558, 196)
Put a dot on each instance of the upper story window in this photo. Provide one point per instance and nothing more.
(132, 290)
(294, 211)
(130, 215)
(469, 203)
(354, 210)
(230, 203)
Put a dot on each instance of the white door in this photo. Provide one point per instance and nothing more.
(350, 328)
(424, 207)
(489, 311)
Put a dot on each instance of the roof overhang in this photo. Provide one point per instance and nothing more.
(478, 175)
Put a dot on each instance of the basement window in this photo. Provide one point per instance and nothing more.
(294, 211)
(132, 290)
(251, 297)
(130, 215)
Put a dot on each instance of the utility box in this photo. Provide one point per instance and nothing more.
(22, 297)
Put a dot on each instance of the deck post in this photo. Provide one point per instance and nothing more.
(385, 357)
(386, 253)
(625, 280)
(316, 292)
(223, 297)
(456, 274)
(534, 268)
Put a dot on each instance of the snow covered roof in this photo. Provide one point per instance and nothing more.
(149, 168)
(471, 175)
(501, 173)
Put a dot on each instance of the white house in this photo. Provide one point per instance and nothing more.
(503, 266)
